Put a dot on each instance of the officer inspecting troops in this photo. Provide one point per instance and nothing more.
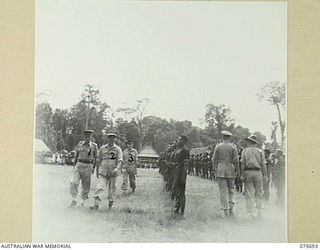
(129, 168)
(85, 160)
(109, 163)
(253, 173)
(180, 163)
(225, 160)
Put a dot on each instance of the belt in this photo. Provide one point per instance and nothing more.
(252, 169)
(88, 161)
(225, 162)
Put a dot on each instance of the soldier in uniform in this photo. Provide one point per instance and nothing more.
(210, 166)
(84, 162)
(266, 183)
(129, 169)
(181, 158)
(253, 173)
(191, 165)
(110, 160)
(225, 158)
(279, 176)
(170, 161)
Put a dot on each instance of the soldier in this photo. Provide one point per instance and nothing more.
(266, 183)
(210, 166)
(238, 180)
(191, 165)
(196, 164)
(279, 176)
(85, 159)
(181, 158)
(170, 161)
(129, 169)
(253, 173)
(110, 160)
(225, 160)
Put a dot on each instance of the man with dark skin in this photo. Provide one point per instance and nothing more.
(266, 183)
(181, 158)
(279, 176)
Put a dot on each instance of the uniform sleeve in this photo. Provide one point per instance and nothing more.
(263, 164)
(120, 155)
(235, 158)
(243, 159)
(99, 158)
(77, 147)
(95, 151)
(215, 155)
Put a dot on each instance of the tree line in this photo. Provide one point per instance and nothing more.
(61, 129)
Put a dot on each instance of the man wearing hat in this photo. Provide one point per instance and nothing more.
(129, 169)
(226, 164)
(110, 160)
(85, 158)
(253, 173)
(180, 164)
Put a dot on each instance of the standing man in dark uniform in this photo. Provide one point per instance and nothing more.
(191, 165)
(266, 183)
(279, 176)
(84, 163)
(226, 163)
(181, 158)
(170, 160)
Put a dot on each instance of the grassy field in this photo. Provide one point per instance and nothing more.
(145, 216)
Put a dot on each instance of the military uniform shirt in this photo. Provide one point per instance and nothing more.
(225, 156)
(109, 157)
(130, 156)
(253, 158)
(87, 151)
(181, 155)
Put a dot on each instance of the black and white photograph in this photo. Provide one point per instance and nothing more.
(160, 122)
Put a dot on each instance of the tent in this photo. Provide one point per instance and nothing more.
(148, 157)
(40, 146)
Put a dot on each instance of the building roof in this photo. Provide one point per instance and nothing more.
(148, 151)
(40, 146)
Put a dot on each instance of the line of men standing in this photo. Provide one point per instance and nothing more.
(108, 163)
(231, 167)
(173, 165)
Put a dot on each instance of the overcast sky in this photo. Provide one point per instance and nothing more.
(180, 55)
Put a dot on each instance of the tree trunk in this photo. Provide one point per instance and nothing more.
(282, 127)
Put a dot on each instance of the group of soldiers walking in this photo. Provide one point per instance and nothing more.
(226, 165)
(107, 163)
(231, 168)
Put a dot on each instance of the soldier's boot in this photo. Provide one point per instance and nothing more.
(172, 197)
(183, 204)
(259, 214)
(231, 214)
(225, 212)
(110, 204)
(73, 203)
(96, 203)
